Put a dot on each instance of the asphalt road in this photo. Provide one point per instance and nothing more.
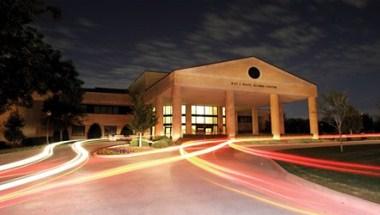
(110, 186)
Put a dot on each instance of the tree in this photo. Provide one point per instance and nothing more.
(353, 121)
(335, 108)
(65, 110)
(27, 63)
(368, 123)
(13, 129)
(143, 116)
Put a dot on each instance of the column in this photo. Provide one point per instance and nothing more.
(220, 120)
(282, 120)
(176, 105)
(230, 113)
(188, 119)
(159, 106)
(255, 121)
(313, 117)
(86, 128)
(275, 116)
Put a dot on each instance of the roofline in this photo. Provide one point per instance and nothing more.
(156, 82)
(106, 90)
(236, 59)
(141, 74)
(228, 60)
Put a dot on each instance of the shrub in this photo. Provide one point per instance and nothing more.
(13, 126)
(4, 145)
(34, 141)
(162, 141)
(135, 142)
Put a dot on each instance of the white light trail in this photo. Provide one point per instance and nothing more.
(47, 152)
(169, 149)
(82, 156)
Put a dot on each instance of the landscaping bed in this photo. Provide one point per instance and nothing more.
(133, 146)
(366, 187)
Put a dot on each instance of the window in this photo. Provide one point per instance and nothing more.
(167, 119)
(107, 109)
(168, 110)
(254, 73)
(183, 109)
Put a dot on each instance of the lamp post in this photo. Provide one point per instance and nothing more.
(48, 114)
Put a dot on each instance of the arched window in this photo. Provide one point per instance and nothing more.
(94, 131)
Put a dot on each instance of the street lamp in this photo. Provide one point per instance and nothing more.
(48, 114)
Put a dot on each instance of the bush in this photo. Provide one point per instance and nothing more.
(4, 145)
(162, 142)
(34, 141)
(13, 129)
(135, 142)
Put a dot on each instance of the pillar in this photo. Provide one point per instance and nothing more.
(230, 114)
(220, 120)
(275, 116)
(282, 120)
(159, 106)
(176, 105)
(255, 121)
(188, 119)
(313, 117)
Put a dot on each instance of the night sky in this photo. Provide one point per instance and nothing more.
(333, 43)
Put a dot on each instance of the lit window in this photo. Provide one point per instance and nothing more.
(168, 110)
(224, 111)
(193, 120)
(183, 129)
(208, 110)
(183, 109)
(208, 120)
(215, 120)
(183, 119)
(200, 110)
(193, 107)
(215, 111)
(193, 129)
(215, 129)
(200, 119)
(167, 120)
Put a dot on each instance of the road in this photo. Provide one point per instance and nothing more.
(207, 184)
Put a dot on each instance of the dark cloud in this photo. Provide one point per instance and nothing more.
(334, 43)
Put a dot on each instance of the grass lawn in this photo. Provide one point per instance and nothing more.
(365, 187)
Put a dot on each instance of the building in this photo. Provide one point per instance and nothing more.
(230, 97)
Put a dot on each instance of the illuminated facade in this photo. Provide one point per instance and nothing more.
(231, 97)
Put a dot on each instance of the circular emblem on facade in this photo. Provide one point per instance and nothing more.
(254, 73)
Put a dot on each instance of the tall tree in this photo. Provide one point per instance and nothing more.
(64, 110)
(27, 63)
(335, 108)
(368, 122)
(353, 121)
(13, 129)
(143, 116)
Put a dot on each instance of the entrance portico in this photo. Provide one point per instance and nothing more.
(208, 99)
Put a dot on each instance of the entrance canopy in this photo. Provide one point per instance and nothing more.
(241, 84)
